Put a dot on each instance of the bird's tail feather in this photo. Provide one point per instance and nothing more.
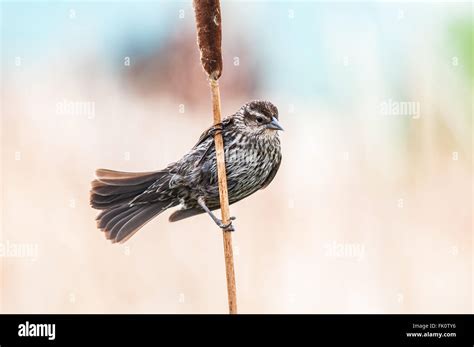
(185, 213)
(112, 191)
(122, 222)
(114, 188)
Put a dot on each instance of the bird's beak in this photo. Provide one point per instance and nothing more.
(274, 124)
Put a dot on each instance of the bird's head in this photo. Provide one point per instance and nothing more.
(259, 118)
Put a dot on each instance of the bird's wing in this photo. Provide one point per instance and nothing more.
(207, 138)
(272, 173)
(210, 132)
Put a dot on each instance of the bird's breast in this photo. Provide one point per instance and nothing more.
(249, 163)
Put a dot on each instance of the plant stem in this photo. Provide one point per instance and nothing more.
(224, 199)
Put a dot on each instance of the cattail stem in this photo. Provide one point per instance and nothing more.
(209, 31)
(224, 199)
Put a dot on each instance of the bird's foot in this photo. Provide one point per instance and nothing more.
(216, 129)
(219, 222)
(227, 226)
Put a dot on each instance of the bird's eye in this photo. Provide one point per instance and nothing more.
(260, 119)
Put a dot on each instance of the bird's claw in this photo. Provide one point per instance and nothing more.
(216, 129)
(227, 226)
(219, 222)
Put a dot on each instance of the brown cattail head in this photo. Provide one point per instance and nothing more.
(208, 23)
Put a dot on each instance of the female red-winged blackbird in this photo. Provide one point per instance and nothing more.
(252, 156)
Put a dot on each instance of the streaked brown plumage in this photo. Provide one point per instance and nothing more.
(252, 152)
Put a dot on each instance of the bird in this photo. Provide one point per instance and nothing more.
(252, 152)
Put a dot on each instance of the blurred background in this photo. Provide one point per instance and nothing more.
(371, 211)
